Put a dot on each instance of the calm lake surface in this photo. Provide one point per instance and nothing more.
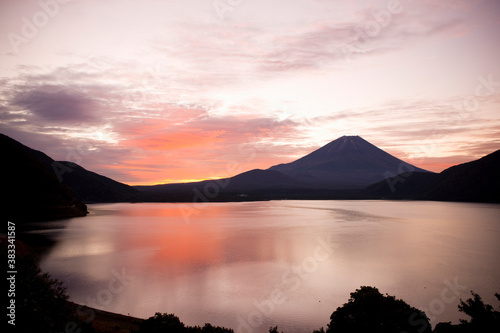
(252, 265)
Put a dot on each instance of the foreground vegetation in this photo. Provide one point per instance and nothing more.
(42, 305)
(369, 311)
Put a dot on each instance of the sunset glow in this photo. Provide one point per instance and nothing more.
(155, 92)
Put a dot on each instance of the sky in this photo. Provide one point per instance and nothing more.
(149, 92)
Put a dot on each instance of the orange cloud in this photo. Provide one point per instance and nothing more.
(176, 140)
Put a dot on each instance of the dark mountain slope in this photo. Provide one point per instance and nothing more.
(90, 187)
(260, 179)
(476, 181)
(263, 184)
(340, 169)
(348, 162)
(84, 185)
(31, 192)
(409, 185)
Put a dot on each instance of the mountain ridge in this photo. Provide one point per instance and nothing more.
(84, 185)
(472, 181)
(347, 162)
(31, 192)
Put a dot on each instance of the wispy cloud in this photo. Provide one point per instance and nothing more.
(167, 91)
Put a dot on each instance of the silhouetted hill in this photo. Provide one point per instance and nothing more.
(31, 192)
(348, 162)
(255, 184)
(338, 170)
(476, 181)
(409, 185)
(335, 171)
(92, 187)
(84, 185)
(261, 179)
(249, 180)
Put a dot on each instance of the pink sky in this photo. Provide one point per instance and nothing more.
(149, 92)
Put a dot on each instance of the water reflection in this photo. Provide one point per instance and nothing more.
(229, 261)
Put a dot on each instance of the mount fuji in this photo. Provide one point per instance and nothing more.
(347, 162)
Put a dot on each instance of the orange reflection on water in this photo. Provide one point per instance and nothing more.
(177, 244)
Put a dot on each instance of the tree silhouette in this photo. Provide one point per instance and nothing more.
(169, 323)
(208, 328)
(483, 317)
(161, 323)
(369, 311)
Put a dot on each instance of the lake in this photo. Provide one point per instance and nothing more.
(252, 265)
